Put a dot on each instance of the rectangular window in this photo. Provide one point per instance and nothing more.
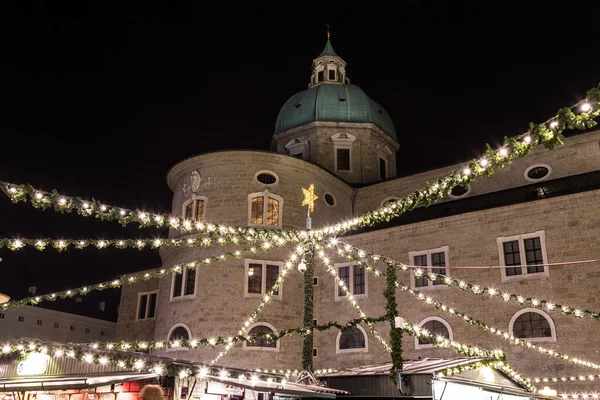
(256, 214)
(315, 322)
(1, 315)
(315, 281)
(72, 328)
(21, 319)
(184, 284)
(102, 333)
(199, 210)
(332, 74)
(524, 255)
(56, 325)
(260, 277)
(355, 279)
(320, 76)
(146, 305)
(382, 169)
(87, 330)
(272, 212)
(264, 209)
(39, 321)
(315, 352)
(343, 159)
(429, 259)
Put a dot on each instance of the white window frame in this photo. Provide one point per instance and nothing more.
(271, 327)
(544, 314)
(189, 331)
(385, 154)
(342, 142)
(263, 289)
(524, 274)
(343, 351)
(298, 146)
(266, 171)
(183, 278)
(428, 268)
(137, 309)
(419, 346)
(193, 199)
(331, 67)
(333, 197)
(535, 166)
(337, 267)
(266, 194)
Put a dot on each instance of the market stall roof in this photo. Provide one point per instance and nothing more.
(70, 382)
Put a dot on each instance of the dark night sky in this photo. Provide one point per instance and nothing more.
(99, 101)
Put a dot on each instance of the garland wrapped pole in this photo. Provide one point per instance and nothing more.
(391, 312)
(307, 346)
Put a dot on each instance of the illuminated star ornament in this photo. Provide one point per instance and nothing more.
(309, 197)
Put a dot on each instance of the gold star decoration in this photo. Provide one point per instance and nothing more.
(309, 197)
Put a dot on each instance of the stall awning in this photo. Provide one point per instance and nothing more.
(72, 382)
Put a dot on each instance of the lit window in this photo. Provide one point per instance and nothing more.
(437, 327)
(259, 337)
(179, 332)
(195, 208)
(146, 307)
(184, 284)
(524, 255)
(260, 277)
(429, 259)
(265, 209)
(354, 278)
(352, 340)
(533, 325)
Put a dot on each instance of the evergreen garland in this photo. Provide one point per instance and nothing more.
(391, 312)
(307, 345)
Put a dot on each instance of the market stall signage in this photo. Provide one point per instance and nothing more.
(33, 364)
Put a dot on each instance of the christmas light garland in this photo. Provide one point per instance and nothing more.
(139, 244)
(127, 280)
(346, 250)
(548, 133)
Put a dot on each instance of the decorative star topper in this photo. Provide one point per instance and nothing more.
(309, 197)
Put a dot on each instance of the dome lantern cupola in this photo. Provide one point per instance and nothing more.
(328, 67)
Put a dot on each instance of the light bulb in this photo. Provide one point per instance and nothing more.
(553, 124)
(483, 162)
(62, 201)
(467, 171)
(39, 196)
(503, 152)
(527, 139)
(302, 267)
(585, 107)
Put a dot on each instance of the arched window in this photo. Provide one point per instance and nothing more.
(352, 340)
(179, 332)
(533, 325)
(437, 327)
(195, 208)
(265, 209)
(260, 341)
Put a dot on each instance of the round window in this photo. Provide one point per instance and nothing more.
(266, 177)
(460, 191)
(329, 199)
(537, 172)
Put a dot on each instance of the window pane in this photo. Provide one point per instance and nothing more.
(272, 275)
(332, 74)
(533, 255)
(531, 325)
(359, 280)
(343, 159)
(382, 169)
(177, 285)
(512, 256)
(344, 274)
(256, 214)
(255, 278)
(180, 333)
(352, 339)
(420, 281)
(262, 340)
(142, 306)
(151, 306)
(189, 208)
(190, 281)
(436, 328)
(199, 210)
(320, 76)
(272, 212)
(438, 260)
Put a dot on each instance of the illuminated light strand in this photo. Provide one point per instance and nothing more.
(584, 395)
(351, 299)
(346, 250)
(139, 244)
(492, 160)
(127, 279)
(65, 204)
(498, 332)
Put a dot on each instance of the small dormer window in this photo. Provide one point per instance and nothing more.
(320, 76)
(332, 74)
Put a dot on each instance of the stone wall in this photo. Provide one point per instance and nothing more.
(128, 326)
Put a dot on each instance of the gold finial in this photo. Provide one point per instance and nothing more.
(328, 31)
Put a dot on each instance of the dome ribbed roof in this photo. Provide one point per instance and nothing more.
(333, 103)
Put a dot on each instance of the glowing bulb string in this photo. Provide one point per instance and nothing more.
(139, 244)
(492, 160)
(128, 279)
(340, 283)
(346, 250)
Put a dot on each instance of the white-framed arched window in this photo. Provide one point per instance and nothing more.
(260, 341)
(352, 340)
(437, 327)
(195, 208)
(265, 209)
(533, 325)
(179, 331)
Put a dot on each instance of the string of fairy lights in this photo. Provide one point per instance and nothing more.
(346, 250)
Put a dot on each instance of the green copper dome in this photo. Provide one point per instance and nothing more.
(333, 103)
